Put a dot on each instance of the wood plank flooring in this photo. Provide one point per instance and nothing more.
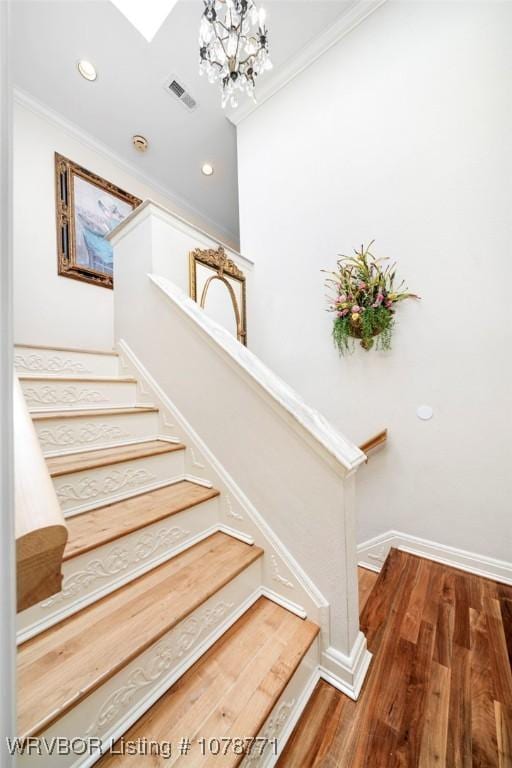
(439, 690)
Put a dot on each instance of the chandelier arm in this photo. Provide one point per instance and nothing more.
(221, 41)
(239, 29)
(252, 56)
(221, 24)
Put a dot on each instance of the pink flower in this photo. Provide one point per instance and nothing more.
(362, 286)
(378, 301)
(343, 313)
(389, 304)
(356, 309)
(342, 298)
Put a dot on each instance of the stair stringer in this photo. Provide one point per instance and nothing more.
(283, 579)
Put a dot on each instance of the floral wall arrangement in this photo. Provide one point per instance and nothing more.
(364, 295)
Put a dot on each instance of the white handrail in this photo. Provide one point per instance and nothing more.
(40, 529)
(326, 438)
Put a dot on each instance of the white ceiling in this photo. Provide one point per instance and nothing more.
(49, 36)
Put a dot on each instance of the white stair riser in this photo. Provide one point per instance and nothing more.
(79, 491)
(85, 433)
(46, 395)
(287, 711)
(89, 577)
(64, 363)
(113, 707)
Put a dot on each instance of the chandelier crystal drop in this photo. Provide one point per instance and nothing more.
(233, 46)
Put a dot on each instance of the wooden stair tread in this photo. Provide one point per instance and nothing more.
(76, 462)
(61, 666)
(79, 350)
(92, 529)
(76, 377)
(230, 691)
(46, 415)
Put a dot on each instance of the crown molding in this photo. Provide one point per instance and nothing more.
(275, 81)
(183, 206)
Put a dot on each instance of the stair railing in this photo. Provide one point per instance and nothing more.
(374, 442)
(41, 531)
(286, 465)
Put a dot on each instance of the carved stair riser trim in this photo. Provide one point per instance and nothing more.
(67, 436)
(32, 362)
(44, 396)
(89, 489)
(287, 711)
(64, 362)
(112, 708)
(91, 576)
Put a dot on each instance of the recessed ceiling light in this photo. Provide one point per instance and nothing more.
(87, 69)
(207, 169)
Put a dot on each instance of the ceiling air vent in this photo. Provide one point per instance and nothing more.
(179, 91)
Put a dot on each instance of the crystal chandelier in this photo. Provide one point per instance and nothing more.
(233, 46)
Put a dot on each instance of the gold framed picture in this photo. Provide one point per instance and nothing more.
(218, 285)
(87, 208)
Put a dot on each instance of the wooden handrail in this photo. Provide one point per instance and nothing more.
(374, 442)
(41, 531)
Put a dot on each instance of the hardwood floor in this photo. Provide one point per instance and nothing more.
(439, 690)
(366, 581)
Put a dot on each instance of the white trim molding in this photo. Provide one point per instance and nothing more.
(372, 554)
(343, 455)
(347, 673)
(7, 549)
(151, 208)
(272, 83)
(251, 519)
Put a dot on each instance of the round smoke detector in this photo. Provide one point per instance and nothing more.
(140, 143)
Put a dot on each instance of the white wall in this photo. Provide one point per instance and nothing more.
(7, 550)
(50, 309)
(401, 132)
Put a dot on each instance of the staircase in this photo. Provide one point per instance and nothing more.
(161, 631)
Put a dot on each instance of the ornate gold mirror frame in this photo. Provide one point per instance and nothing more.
(225, 270)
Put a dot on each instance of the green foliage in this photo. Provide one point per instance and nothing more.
(364, 301)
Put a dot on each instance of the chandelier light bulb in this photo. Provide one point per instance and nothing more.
(233, 46)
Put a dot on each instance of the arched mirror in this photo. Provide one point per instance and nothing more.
(219, 286)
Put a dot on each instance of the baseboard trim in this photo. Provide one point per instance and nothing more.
(235, 533)
(347, 673)
(270, 594)
(372, 554)
(295, 717)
